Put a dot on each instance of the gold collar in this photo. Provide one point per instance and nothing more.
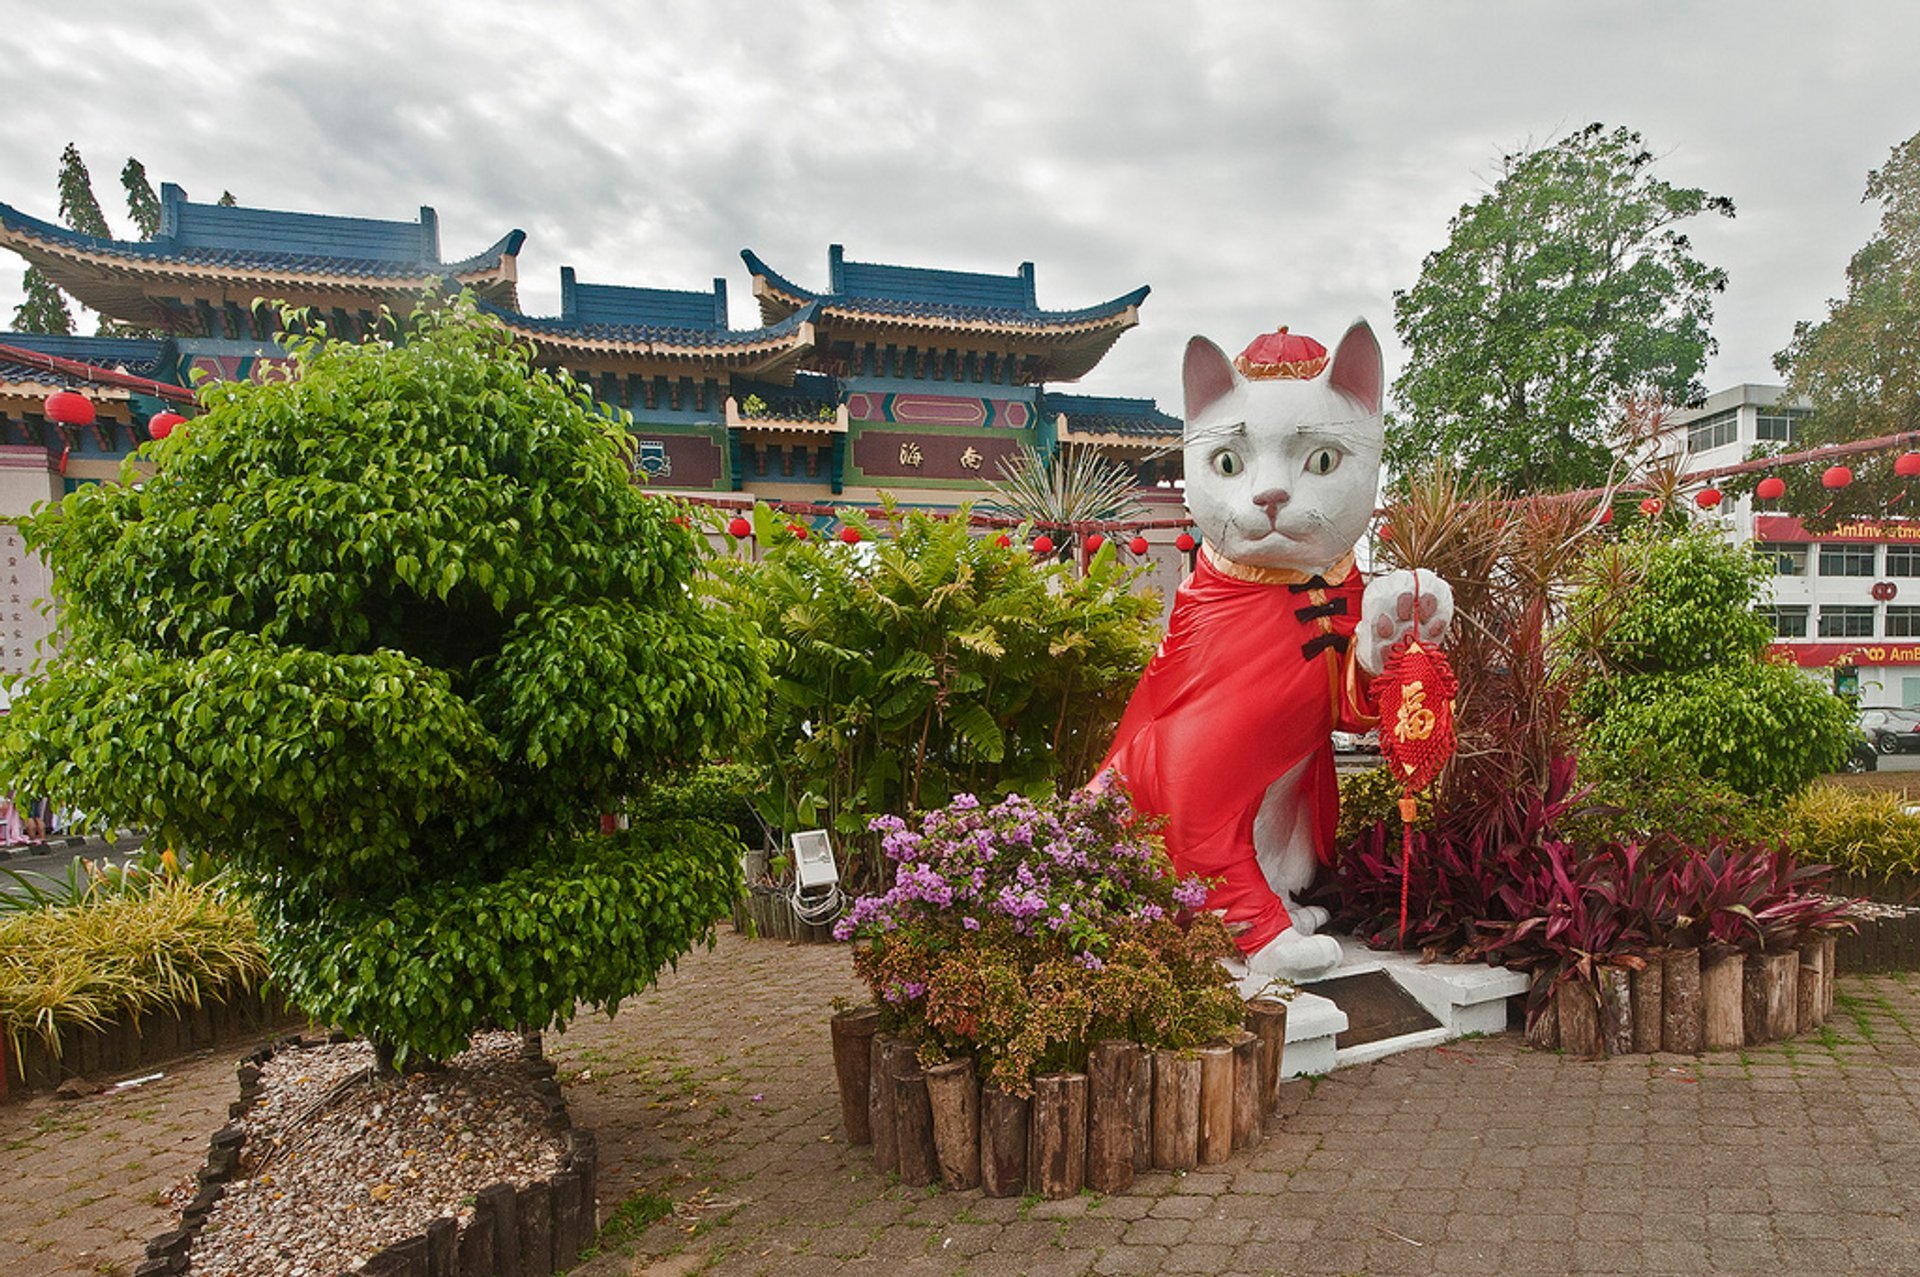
(1257, 575)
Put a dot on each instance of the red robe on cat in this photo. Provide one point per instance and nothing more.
(1251, 678)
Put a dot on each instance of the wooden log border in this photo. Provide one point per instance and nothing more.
(1760, 998)
(515, 1232)
(132, 1042)
(1136, 1107)
(769, 913)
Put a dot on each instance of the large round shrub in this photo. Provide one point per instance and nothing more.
(389, 633)
(1667, 658)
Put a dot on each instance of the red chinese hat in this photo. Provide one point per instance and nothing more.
(1281, 355)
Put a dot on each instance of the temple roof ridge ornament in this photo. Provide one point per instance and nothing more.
(919, 291)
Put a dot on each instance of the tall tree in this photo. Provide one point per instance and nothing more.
(143, 206)
(1860, 366)
(78, 207)
(1563, 290)
(44, 309)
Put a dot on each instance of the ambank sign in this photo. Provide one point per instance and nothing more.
(1821, 655)
(1784, 527)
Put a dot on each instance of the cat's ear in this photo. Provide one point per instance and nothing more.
(1208, 376)
(1357, 368)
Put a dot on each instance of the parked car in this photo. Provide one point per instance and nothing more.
(1356, 742)
(1861, 755)
(1892, 730)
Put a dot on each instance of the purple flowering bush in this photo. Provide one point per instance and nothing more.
(1025, 932)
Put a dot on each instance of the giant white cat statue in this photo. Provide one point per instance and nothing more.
(1273, 639)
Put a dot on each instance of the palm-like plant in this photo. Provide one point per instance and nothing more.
(1076, 484)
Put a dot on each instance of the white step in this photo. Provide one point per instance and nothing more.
(1464, 997)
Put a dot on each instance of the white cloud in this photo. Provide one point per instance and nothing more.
(1256, 163)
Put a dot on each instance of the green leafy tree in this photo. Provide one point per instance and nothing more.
(1667, 659)
(929, 662)
(388, 635)
(1860, 366)
(44, 307)
(1566, 288)
(78, 207)
(143, 206)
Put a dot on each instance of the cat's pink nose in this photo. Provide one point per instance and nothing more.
(1272, 499)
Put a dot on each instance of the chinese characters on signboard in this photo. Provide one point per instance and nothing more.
(25, 627)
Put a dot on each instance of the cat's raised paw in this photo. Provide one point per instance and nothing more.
(1394, 605)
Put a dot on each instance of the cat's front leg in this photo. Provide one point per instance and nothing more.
(1393, 605)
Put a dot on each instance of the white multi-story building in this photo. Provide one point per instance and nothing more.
(1846, 603)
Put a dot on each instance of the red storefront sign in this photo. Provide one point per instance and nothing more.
(1784, 527)
(1813, 656)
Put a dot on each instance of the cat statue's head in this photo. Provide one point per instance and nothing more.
(1283, 473)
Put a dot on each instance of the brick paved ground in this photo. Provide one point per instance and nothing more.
(714, 1093)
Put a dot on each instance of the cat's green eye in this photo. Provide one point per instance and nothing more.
(1323, 461)
(1227, 462)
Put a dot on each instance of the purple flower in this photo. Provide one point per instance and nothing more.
(970, 923)
(1190, 893)
(965, 802)
(1090, 962)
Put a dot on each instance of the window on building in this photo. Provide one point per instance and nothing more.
(1847, 560)
(1789, 558)
(1779, 424)
(1789, 621)
(1713, 432)
(1903, 560)
(1841, 620)
(1903, 621)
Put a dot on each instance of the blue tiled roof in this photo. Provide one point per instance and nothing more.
(620, 306)
(265, 239)
(871, 288)
(142, 357)
(659, 334)
(1107, 415)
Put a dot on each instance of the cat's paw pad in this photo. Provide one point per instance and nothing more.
(1396, 605)
(1293, 956)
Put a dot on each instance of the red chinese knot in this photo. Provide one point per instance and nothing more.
(1415, 694)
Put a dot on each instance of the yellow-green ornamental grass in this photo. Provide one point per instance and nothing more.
(166, 944)
(1861, 832)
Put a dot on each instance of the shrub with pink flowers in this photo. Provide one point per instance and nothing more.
(1025, 932)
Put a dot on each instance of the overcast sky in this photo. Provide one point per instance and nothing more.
(1256, 163)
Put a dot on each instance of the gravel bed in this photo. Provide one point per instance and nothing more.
(339, 1163)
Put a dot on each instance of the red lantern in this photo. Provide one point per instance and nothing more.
(69, 409)
(738, 527)
(799, 531)
(1184, 543)
(1836, 477)
(1652, 507)
(1707, 498)
(1094, 542)
(1386, 532)
(1771, 488)
(162, 424)
(1138, 545)
(1606, 515)
(1282, 355)
(850, 535)
(1907, 464)
(1043, 544)
(1003, 541)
